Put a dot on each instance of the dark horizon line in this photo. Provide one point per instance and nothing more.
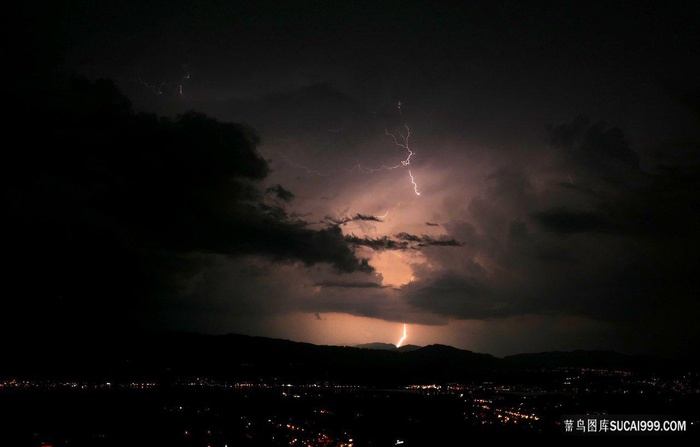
(432, 345)
(102, 335)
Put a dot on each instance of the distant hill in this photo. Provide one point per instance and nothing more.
(408, 348)
(382, 346)
(388, 347)
(241, 357)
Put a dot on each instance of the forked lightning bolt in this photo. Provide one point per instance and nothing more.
(404, 145)
(401, 141)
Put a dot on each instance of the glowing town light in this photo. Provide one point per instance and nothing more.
(398, 345)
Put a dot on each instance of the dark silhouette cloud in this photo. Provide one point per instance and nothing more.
(563, 221)
(379, 243)
(431, 242)
(110, 204)
(426, 241)
(593, 144)
(459, 297)
(355, 218)
(281, 193)
(351, 285)
(402, 241)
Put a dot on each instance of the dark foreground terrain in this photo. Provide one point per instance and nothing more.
(190, 391)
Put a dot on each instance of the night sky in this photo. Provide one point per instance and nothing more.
(242, 167)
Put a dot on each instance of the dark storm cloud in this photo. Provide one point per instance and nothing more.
(367, 218)
(427, 241)
(293, 241)
(581, 190)
(402, 241)
(355, 218)
(594, 146)
(614, 243)
(305, 113)
(563, 221)
(409, 237)
(350, 285)
(458, 296)
(619, 195)
(111, 202)
(378, 243)
(281, 193)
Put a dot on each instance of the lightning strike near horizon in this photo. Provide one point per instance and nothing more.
(398, 345)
